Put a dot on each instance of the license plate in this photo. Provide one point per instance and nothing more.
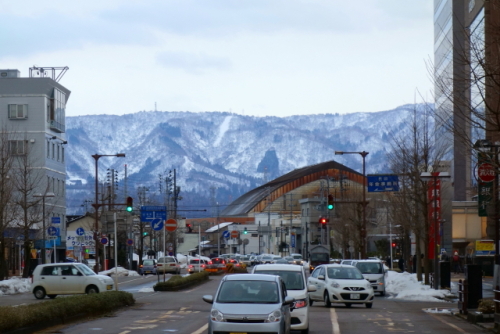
(109, 287)
(147, 272)
(354, 295)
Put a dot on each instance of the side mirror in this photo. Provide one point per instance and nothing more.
(288, 300)
(311, 288)
(208, 298)
(321, 277)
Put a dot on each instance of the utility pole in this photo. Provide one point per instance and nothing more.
(268, 219)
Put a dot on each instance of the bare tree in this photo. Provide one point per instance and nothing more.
(6, 192)
(414, 151)
(28, 180)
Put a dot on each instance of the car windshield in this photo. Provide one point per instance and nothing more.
(85, 270)
(343, 273)
(217, 260)
(293, 279)
(320, 257)
(194, 261)
(370, 267)
(297, 257)
(248, 292)
(266, 258)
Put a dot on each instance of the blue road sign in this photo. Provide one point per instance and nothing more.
(52, 231)
(152, 212)
(157, 224)
(293, 240)
(104, 240)
(80, 231)
(56, 220)
(226, 234)
(382, 183)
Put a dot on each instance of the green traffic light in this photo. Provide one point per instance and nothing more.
(129, 209)
(330, 206)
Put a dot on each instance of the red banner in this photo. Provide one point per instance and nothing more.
(434, 211)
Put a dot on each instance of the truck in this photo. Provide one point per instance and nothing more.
(318, 254)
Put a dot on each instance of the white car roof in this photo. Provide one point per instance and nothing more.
(278, 266)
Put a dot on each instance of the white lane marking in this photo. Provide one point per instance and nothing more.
(201, 330)
(335, 322)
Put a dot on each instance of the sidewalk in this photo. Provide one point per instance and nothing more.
(473, 313)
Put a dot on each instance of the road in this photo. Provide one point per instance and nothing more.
(185, 312)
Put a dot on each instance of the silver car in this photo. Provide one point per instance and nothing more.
(250, 303)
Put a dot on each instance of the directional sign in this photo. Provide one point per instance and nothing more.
(151, 212)
(80, 231)
(171, 225)
(226, 234)
(157, 224)
(52, 231)
(383, 182)
(56, 220)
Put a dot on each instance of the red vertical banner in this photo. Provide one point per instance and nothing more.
(434, 211)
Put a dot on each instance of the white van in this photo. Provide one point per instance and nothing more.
(295, 280)
(374, 272)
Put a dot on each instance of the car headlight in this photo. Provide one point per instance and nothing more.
(335, 285)
(274, 316)
(380, 281)
(216, 315)
(368, 285)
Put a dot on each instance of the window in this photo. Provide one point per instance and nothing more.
(53, 150)
(62, 154)
(48, 149)
(18, 111)
(58, 153)
(17, 147)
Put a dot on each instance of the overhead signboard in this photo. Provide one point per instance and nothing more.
(382, 183)
(152, 212)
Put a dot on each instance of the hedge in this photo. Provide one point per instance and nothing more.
(61, 310)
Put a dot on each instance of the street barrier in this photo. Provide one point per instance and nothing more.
(463, 295)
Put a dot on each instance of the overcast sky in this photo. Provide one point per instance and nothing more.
(252, 57)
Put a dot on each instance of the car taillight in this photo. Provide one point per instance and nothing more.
(140, 266)
(154, 266)
(300, 303)
(203, 266)
(210, 262)
(190, 266)
(159, 265)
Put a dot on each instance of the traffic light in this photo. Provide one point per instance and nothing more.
(145, 234)
(245, 231)
(393, 244)
(130, 204)
(323, 221)
(330, 205)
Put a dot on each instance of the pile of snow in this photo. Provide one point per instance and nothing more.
(406, 286)
(120, 271)
(15, 285)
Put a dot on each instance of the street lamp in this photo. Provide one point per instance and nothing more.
(96, 205)
(43, 196)
(426, 176)
(363, 230)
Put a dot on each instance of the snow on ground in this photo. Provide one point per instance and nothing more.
(402, 286)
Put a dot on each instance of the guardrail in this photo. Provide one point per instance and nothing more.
(463, 296)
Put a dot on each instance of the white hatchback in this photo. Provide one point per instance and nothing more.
(294, 277)
(67, 279)
(337, 283)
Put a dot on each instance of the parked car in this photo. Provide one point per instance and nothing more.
(295, 280)
(337, 283)
(148, 266)
(168, 264)
(197, 265)
(250, 303)
(67, 279)
(374, 272)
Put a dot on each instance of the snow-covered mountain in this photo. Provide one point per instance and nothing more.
(217, 155)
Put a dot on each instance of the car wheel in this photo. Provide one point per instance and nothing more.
(91, 289)
(51, 296)
(382, 293)
(310, 302)
(327, 300)
(305, 331)
(39, 293)
(369, 305)
(348, 305)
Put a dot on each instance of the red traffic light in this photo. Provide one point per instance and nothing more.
(393, 244)
(323, 221)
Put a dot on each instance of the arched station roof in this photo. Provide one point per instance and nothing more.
(299, 183)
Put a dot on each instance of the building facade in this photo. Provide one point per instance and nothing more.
(33, 123)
